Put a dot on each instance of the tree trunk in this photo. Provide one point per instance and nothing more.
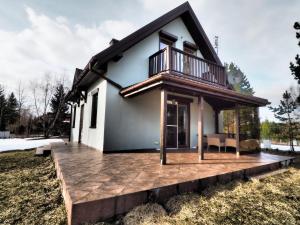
(291, 136)
(51, 126)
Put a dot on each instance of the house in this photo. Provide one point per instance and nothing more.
(162, 87)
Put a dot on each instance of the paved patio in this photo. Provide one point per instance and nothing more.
(98, 186)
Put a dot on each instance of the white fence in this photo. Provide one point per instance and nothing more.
(4, 134)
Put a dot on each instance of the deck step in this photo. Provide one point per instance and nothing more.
(268, 174)
(44, 150)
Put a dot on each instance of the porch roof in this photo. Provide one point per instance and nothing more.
(219, 97)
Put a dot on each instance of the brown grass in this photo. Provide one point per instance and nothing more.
(274, 200)
(29, 190)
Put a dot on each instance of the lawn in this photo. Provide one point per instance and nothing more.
(273, 200)
(29, 190)
(30, 194)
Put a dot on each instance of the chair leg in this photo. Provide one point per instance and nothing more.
(207, 148)
(219, 149)
(225, 148)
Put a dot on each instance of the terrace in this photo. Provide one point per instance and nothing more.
(98, 186)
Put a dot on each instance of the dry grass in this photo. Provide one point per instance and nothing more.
(274, 200)
(29, 190)
(30, 194)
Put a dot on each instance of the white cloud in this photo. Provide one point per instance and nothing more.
(52, 45)
(257, 35)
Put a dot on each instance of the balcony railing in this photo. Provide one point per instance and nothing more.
(181, 63)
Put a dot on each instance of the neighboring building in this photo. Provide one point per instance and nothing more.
(157, 88)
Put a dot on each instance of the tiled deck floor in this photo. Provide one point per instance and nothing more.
(88, 176)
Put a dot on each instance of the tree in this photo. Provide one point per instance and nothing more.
(3, 104)
(21, 101)
(295, 67)
(42, 92)
(249, 121)
(11, 109)
(265, 129)
(59, 109)
(283, 112)
(238, 79)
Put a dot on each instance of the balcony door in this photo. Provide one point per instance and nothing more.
(187, 59)
(177, 127)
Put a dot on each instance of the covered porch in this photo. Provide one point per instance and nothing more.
(179, 90)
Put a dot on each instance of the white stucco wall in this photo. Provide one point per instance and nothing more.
(93, 137)
(134, 65)
(132, 123)
(208, 117)
(135, 123)
(75, 130)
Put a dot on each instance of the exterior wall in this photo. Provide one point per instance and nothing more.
(93, 137)
(208, 118)
(134, 65)
(135, 123)
(132, 123)
(75, 130)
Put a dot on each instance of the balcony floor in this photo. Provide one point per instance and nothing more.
(99, 186)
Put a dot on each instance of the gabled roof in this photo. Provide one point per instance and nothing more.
(188, 17)
(77, 75)
(190, 20)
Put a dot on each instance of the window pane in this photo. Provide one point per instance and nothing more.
(182, 125)
(94, 110)
(171, 137)
(74, 117)
(171, 114)
(163, 43)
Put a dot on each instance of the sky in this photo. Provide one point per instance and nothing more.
(55, 37)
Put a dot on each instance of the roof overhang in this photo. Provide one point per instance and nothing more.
(219, 97)
(115, 51)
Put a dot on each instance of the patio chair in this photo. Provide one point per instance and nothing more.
(215, 140)
(230, 142)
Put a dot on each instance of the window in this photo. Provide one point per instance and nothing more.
(189, 48)
(163, 43)
(94, 110)
(166, 39)
(74, 117)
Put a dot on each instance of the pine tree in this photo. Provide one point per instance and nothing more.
(295, 67)
(59, 108)
(3, 104)
(283, 112)
(249, 121)
(11, 109)
(238, 79)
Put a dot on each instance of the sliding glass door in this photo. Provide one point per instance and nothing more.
(177, 125)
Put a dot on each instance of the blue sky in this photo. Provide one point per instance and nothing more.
(38, 37)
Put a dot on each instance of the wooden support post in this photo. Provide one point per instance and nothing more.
(200, 127)
(217, 121)
(169, 57)
(237, 130)
(163, 118)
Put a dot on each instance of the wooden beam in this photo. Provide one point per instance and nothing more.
(200, 127)
(217, 121)
(163, 119)
(237, 130)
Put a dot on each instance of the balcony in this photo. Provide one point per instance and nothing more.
(181, 63)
